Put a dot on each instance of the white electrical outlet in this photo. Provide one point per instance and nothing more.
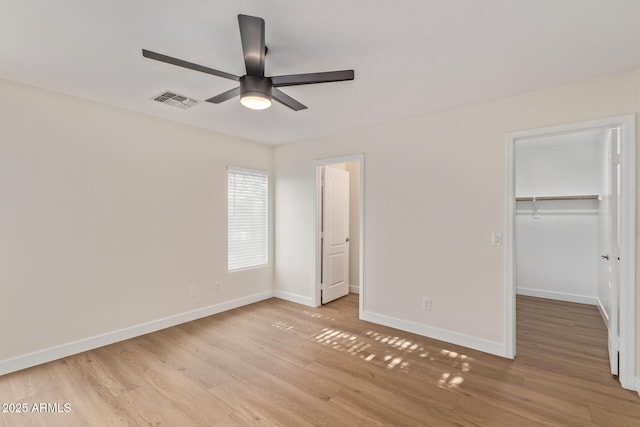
(426, 303)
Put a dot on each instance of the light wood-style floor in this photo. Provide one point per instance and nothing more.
(279, 363)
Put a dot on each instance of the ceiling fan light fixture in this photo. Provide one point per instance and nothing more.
(255, 92)
(255, 101)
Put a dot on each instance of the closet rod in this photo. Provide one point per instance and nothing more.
(531, 199)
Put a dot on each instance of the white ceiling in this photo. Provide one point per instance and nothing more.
(410, 57)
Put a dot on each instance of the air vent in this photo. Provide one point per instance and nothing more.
(175, 100)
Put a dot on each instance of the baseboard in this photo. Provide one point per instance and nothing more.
(560, 296)
(354, 289)
(603, 313)
(64, 350)
(638, 385)
(288, 296)
(492, 347)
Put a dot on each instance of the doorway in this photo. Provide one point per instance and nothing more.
(339, 213)
(616, 191)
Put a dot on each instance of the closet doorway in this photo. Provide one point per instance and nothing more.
(339, 212)
(571, 225)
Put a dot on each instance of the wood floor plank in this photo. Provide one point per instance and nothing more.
(251, 403)
(591, 394)
(484, 412)
(392, 409)
(606, 416)
(166, 346)
(158, 410)
(103, 374)
(279, 363)
(295, 396)
(534, 405)
(26, 383)
(185, 394)
(89, 400)
(236, 419)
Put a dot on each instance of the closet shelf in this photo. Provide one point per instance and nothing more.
(541, 198)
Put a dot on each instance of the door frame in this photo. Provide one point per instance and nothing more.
(317, 214)
(627, 309)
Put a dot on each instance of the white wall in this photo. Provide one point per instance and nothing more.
(107, 217)
(559, 165)
(557, 241)
(557, 254)
(434, 193)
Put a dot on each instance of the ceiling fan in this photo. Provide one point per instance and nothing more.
(256, 90)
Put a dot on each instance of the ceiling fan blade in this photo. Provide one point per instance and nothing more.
(285, 99)
(225, 96)
(312, 78)
(190, 65)
(252, 36)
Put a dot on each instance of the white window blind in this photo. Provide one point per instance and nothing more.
(248, 218)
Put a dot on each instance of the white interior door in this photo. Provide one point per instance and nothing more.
(614, 253)
(335, 234)
(609, 245)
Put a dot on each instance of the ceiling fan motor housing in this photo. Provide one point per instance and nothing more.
(255, 86)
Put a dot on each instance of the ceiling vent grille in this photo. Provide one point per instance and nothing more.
(175, 100)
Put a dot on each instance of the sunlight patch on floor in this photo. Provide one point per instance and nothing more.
(388, 351)
(285, 326)
(398, 343)
(344, 341)
(316, 315)
(460, 363)
(450, 381)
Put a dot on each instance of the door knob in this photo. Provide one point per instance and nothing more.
(346, 240)
(605, 257)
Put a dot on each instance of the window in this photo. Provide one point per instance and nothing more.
(248, 218)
